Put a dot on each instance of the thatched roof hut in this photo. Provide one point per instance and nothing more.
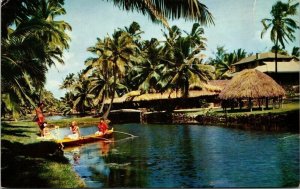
(173, 95)
(251, 83)
(209, 89)
(160, 96)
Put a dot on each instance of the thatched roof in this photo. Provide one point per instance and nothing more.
(126, 97)
(208, 89)
(219, 83)
(262, 56)
(251, 83)
(173, 95)
(158, 96)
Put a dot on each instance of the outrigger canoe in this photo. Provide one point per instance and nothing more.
(85, 139)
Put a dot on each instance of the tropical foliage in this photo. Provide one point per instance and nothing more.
(124, 62)
(32, 41)
(223, 61)
(160, 11)
(282, 26)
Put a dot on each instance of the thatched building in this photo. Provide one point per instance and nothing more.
(252, 84)
(287, 67)
(169, 100)
(258, 59)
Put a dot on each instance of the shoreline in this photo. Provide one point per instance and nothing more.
(267, 122)
(277, 121)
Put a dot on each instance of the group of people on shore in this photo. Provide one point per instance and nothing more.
(74, 128)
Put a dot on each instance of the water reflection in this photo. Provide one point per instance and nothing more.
(190, 156)
(88, 161)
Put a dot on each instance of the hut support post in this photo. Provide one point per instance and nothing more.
(267, 102)
(240, 103)
(250, 104)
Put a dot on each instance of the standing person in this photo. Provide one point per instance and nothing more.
(74, 130)
(40, 118)
(102, 127)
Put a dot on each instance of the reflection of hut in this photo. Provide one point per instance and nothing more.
(252, 84)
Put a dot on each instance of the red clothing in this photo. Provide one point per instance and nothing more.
(102, 126)
(40, 117)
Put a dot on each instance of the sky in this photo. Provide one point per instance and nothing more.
(237, 25)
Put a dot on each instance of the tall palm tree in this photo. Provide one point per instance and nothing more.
(113, 55)
(145, 75)
(281, 24)
(82, 96)
(98, 70)
(32, 41)
(164, 9)
(183, 60)
(119, 50)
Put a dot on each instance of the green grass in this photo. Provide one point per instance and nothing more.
(28, 162)
(286, 108)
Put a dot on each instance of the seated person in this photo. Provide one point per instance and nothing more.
(102, 127)
(44, 130)
(74, 130)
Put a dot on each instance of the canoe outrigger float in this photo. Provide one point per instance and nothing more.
(85, 139)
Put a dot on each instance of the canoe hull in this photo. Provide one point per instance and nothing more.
(85, 139)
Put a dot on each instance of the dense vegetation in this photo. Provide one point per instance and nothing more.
(33, 40)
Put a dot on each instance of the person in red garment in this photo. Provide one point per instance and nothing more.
(102, 127)
(40, 120)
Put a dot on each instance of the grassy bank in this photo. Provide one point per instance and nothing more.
(28, 162)
(286, 108)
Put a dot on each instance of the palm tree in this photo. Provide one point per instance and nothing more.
(145, 75)
(281, 24)
(82, 96)
(223, 61)
(34, 42)
(296, 52)
(183, 60)
(164, 9)
(68, 82)
(113, 55)
(68, 104)
(22, 70)
(99, 72)
(119, 50)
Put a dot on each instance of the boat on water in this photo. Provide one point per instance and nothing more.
(86, 139)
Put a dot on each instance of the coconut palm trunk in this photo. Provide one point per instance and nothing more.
(276, 52)
(112, 94)
(102, 105)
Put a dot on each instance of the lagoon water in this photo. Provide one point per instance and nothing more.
(188, 156)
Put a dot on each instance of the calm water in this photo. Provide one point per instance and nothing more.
(188, 156)
(58, 117)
